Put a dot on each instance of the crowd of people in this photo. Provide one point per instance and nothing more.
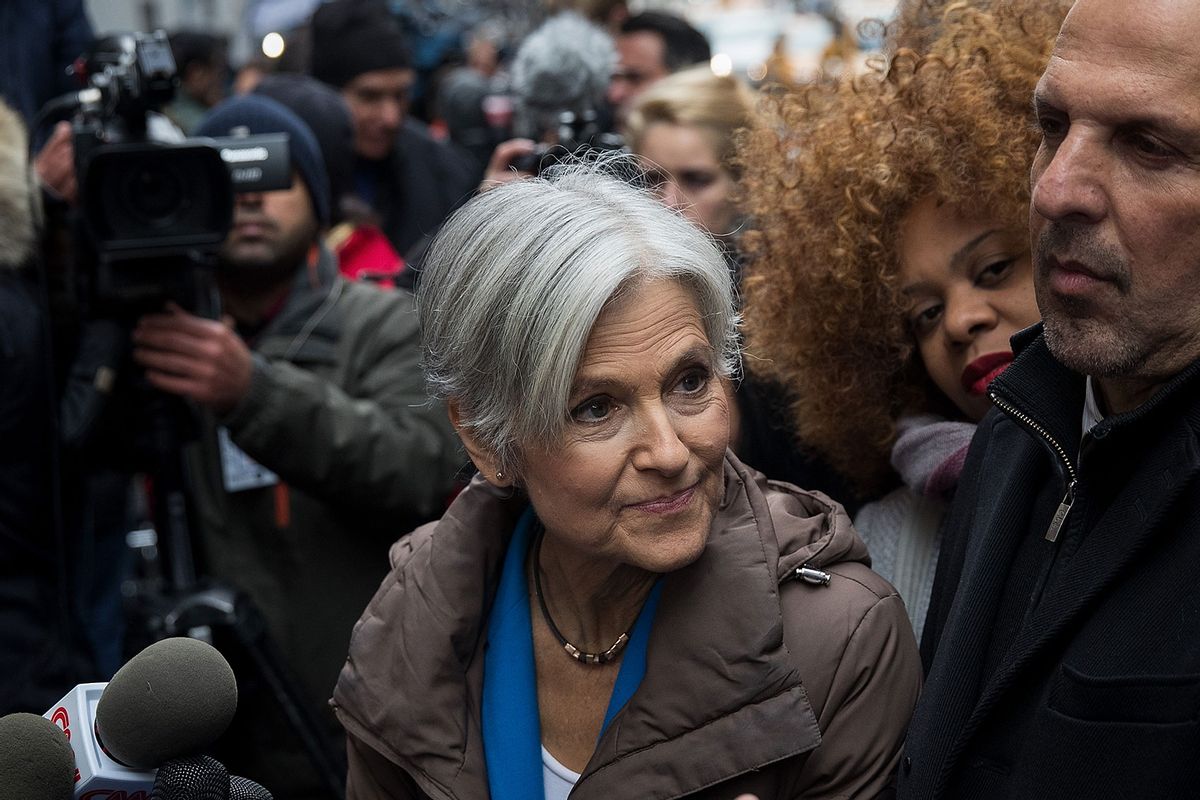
(603, 426)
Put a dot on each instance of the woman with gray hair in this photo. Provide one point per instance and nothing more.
(616, 606)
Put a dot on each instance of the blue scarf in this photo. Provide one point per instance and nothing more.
(512, 731)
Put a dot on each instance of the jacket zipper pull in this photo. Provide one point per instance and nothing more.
(813, 575)
(1060, 516)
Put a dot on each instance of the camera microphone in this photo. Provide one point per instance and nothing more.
(171, 700)
(36, 762)
(563, 67)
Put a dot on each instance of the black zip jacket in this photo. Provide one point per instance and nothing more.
(1065, 626)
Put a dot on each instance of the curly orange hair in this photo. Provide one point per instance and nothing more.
(827, 187)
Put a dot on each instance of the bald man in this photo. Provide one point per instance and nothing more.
(1068, 664)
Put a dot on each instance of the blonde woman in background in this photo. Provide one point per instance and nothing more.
(685, 130)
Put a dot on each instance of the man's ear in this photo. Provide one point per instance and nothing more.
(483, 459)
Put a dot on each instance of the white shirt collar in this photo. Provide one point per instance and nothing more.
(1091, 409)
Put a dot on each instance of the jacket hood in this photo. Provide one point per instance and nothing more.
(810, 528)
(734, 703)
(17, 197)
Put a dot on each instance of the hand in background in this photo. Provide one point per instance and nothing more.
(55, 164)
(500, 169)
(197, 358)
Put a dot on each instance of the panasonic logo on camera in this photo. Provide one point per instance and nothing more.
(231, 155)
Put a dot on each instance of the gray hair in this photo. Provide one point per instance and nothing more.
(515, 281)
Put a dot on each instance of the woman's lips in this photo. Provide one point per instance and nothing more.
(667, 504)
(983, 370)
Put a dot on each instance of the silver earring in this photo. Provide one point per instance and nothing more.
(499, 475)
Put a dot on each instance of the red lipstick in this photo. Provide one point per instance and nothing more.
(983, 370)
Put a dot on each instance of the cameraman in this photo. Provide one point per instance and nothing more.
(319, 441)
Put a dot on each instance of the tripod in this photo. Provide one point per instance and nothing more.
(181, 605)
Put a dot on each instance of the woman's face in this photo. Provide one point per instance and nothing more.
(971, 286)
(688, 176)
(638, 476)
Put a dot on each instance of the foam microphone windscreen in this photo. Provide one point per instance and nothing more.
(173, 699)
(564, 65)
(36, 761)
(192, 778)
(245, 789)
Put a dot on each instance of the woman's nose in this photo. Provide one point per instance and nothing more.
(660, 449)
(672, 195)
(969, 315)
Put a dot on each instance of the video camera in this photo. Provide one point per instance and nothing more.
(155, 207)
(576, 137)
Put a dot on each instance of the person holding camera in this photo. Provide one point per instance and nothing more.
(319, 443)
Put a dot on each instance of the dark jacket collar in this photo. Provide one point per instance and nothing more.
(1144, 475)
(721, 694)
(1040, 386)
(306, 330)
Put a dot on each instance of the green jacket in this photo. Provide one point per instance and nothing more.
(338, 409)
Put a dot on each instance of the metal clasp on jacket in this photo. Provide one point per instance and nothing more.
(813, 575)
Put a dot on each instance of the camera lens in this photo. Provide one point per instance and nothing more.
(153, 193)
(156, 197)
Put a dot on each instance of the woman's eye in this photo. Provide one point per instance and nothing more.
(693, 382)
(995, 271)
(695, 180)
(1051, 127)
(594, 410)
(925, 320)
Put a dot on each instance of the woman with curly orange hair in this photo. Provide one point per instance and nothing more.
(890, 263)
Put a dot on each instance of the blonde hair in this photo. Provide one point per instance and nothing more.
(720, 105)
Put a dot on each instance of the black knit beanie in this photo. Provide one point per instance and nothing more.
(350, 37)
(327, 115)
(259, 114)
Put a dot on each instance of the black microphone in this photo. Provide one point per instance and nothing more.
(192, 778)
(36, 761)
(246, 789)
(203, 778)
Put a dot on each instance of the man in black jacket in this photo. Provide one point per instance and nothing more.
(1068, 665)
(410, 180)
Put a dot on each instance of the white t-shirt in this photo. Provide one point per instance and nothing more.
(557, 779)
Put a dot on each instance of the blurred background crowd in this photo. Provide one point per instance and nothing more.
(309, 442)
